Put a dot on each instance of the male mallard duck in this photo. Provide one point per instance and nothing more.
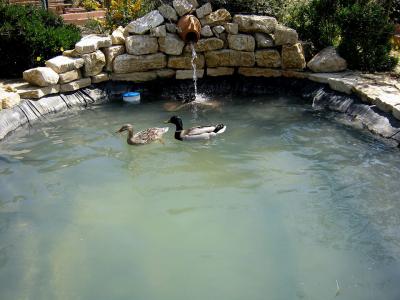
(143, 137)
(195, 133)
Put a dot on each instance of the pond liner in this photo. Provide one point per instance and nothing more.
(320, 96)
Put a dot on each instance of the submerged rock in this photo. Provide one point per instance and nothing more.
(327, 60)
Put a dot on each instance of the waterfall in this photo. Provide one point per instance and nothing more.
(194, 56)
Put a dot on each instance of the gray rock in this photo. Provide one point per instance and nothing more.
(327, 60)
(168, 12)
(252, 23)
(94, 63)
(111, 53)
(160, 31)
(241, 42)
(204, 10)
(293, 57)
(218, 30)
(92, 43)
(62, 64)
(188, 74)
(182, 7)
(75, 85)
(229, 58)
(41, 76)
(268, 58)
(231, 28)
(127, 63)
(209, 44)
(194, 3)
(141, 44)
(69, 76)
(218, 17)
(264, 40)
(135, 76)
(117, 36)
(285, 35)
(171, 44)
(145, 23)
(206, 31)
(171, 28)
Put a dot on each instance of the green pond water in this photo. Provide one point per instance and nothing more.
(287, 204)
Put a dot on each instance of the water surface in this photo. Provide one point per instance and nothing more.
(287, 204)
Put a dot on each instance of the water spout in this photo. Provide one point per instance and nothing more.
(189, 28)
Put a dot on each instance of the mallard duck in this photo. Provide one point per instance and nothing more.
(145, 136)
(195, 133)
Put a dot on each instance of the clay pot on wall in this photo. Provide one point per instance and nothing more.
(189, 28)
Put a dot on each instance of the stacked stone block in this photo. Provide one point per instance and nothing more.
(149, 48)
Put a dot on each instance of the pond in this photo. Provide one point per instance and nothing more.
(287, 204)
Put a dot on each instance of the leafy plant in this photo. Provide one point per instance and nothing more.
(29, 36)
(361, 30)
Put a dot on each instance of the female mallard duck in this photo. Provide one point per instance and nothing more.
(143, 137)
(195, 133)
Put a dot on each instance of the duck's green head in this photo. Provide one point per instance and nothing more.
(177, 121)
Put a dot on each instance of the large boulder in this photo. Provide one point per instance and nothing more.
(171, 44)
(183, 7)
(117, 36)
(111, 53)
(264, 40)
(210, 44)
(62, 64)
(218, 17)
(94, 63)
(241, 42)
(328, 60)
(92, 43)
(127, 63)
(141, 44)
(168, 12)
(185, 62)
(268, 58)
(285, 35)
(204, 10)
(293, 57)
(251, 23)
(145, 23)
(229, 58)
(41, 76)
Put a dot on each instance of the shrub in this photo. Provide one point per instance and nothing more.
(360, 29)
(30, 35)
(365, 37)
(121, 12)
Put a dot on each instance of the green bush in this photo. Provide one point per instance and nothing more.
(361, 30)
(30, 35)
(365, 37)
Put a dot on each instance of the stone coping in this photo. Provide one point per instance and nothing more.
(319, 90)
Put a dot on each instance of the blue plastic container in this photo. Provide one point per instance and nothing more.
(131, 97)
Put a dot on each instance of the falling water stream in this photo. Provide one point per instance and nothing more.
(194, 56)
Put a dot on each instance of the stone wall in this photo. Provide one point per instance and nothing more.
(150, 47)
